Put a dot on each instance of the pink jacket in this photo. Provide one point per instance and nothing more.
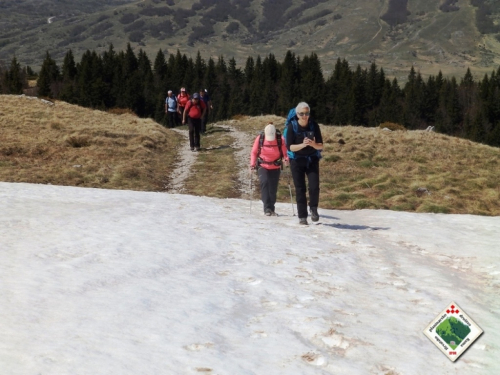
(268, 153)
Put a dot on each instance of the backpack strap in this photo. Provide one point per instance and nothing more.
(278, 138)
(261, 144)
(295, 127)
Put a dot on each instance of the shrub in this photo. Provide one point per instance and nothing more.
(137, 25)
(77, 141)
(128, 18)
(136, 36)
(233, 27)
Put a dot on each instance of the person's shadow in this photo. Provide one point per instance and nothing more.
(355, 227)
(350, 227)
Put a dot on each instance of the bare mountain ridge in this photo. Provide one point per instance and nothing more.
(446, 35)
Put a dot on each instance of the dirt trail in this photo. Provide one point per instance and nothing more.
(242, 145)
(183, 167)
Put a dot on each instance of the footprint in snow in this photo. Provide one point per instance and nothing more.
(197, 347)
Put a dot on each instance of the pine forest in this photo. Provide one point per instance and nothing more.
(461, 107)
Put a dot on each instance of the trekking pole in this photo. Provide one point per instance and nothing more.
(251, 189)
(290, 189)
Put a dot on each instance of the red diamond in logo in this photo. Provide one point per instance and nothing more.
(448, 311)
(452, 307)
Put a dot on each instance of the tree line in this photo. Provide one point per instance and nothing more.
(353, 96)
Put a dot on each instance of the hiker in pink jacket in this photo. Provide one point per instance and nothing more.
(267, 157)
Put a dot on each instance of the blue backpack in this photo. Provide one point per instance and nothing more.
(292, 119)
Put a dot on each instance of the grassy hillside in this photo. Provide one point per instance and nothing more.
(361, 167)
(64, 144)
(448, 35)
(379, 169)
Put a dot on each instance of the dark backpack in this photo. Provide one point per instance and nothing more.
(291, 119)
(278, 161)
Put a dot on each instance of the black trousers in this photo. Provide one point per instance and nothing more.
(172, 119)
(302, 168)
(194, 132)
(269, 179)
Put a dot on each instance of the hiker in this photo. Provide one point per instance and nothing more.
(267, 156)
(194, 111)
(304, 143)
(171, 109)
(208, 102)
(182, 100)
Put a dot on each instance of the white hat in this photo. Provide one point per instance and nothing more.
(270, 132)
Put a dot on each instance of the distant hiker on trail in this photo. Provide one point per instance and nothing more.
(208, 102)
(304, 144)
(171, 109)
(194, 111)
(267, 156)
(182, 100)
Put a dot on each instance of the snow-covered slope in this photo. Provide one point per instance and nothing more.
(120, 282)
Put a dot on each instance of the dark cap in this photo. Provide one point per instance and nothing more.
(196, 95)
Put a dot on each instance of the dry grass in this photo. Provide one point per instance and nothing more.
(361, 167)
(381, 169)
(214, 174)
(65, 144)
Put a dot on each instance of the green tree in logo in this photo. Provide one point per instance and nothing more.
(452, 331)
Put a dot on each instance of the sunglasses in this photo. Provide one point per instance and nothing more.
(303, 114)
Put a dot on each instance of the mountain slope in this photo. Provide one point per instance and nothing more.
(429, 35)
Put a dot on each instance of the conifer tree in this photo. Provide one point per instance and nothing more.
(256, 90)
(210, 78)
(170, 83)
(312, 85)
(269, 82)
(211, 85)
(357, 103)
(189, 77)
(199, 72)
(288, 84)
(69, 72)
(147, 105)
(160, 68)
(223, 98)
(109, 68)
(132, 88)
(49, 75)
(248, 76)
(413, 94)
(338, 88)
(15, 78)
(236, 82)
(160, 88)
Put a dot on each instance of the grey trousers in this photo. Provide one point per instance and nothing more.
(269, 179)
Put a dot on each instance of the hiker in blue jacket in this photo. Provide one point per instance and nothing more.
(304, 143)
(171, 109)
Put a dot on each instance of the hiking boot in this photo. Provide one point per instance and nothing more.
(192, 148)
(314, 214)
(273, 213)
(303, 221)
(268, 212)
(197, 149)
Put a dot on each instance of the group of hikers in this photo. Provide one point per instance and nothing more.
(191, 109)
(300, 147)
